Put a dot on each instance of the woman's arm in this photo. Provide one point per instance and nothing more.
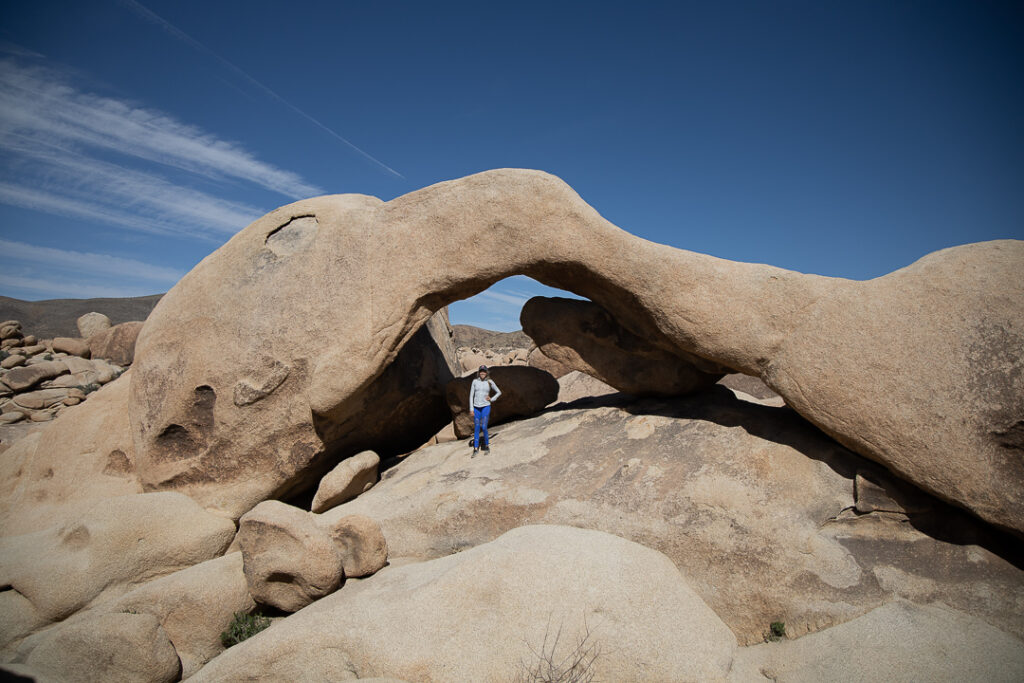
(497, 391)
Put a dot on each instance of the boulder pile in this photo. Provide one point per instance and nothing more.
(41, 377)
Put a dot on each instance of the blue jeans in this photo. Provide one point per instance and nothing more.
(480, 417)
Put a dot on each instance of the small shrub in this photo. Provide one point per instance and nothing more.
(48, 356)
(576, 666)
(776, 631)
(243, 626)
(88, 388)
(4, 353)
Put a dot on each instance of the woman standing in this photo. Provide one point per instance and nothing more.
(480, 400)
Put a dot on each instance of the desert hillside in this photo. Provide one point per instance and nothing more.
(56, 317)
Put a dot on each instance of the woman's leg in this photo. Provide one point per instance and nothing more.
(486, 411)
(478, 414)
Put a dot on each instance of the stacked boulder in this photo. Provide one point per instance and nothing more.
(41, 377)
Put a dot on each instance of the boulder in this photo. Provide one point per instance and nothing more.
(113, 545)
(12, 343)
(898, 641)
(33, 349)
(524, 391)
(583, 336)
(840, 352)
(117, 343)
(41, 399)
(12, 361)
(84, 456)
(364, 550)
(289, 560)
(194, 606)
(346, 481)
(29, 340)
(496, 611)
(219, 464)
(92, 323)
(738, 495)
(71, 346)
(538, 360)
(10, 329)
(110, 648)
(20, 379)
(11, 417)
(576, 385)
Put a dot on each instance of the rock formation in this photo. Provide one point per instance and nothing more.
(351, 477)
(942, 335)
(582, 336)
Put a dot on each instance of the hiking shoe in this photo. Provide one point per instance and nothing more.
(487, 449)
(475, 451)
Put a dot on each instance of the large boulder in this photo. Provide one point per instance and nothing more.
(289, 560)
(756, 506)
(576, 385)
(112, 546)
(117, 343)
(537, 359)
(91, 324)
(583, 336)
(346, 481)
(114, 648)
(524, 391)
(23, 378)
(73, 346)
(205, 445)
(920, 369)
(497, 610)
(898, 641)
(84, 456)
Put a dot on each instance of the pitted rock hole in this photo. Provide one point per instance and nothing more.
(293, 236)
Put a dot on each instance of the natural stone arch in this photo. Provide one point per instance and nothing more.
(354, 278)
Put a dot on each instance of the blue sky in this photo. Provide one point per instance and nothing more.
(841, 138)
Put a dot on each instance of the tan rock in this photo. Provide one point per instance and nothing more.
(585, 337)
(897, 641)
(106, 372)
(113, 544)
(29, 340)
(71, 346)
(576, 385)
(41, 415)
(20, 379)
(752, 386)
(524, 391)
(11, 417)
(194, 606)
(84, 456)
(838, 351)
(736, 494)
(106, 649)
(33, 349)
(289, 560)
(538, 360)
(92, 323)
(18, 618)
(351, 477)
(10, 329)
(364, 550)
(481, 615)
(117, 343)
(41, 399)
(78, 365)
(72, 401)
(12, 361)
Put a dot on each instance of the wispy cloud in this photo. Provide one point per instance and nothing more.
(38, 106)
(177, 33)
(63, 288)
(504, 298)
(87, 263)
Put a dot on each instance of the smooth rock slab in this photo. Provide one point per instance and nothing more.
(475, 616)
(351, 477)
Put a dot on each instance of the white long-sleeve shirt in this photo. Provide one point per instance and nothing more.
(479, 392)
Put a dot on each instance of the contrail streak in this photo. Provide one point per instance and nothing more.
(173, 30)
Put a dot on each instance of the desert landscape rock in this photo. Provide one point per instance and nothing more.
(854, 479)
(582, 336)
(836, 350)
(117, 343)
(738, 495)
(475, 616)
(351, 477)
(524, 391)
(289, 560)
(92, 323)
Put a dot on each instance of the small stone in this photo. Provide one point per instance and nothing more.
(11, 417)
(29, 340)
(71, 346)
(72, 401)
(41, 416)
(12, 361)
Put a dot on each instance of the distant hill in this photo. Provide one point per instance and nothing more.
(467, 335)
(56, 317)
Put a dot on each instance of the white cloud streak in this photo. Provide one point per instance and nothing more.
(63, 288)
(38, 106)
(177, 33)
(88, 263)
